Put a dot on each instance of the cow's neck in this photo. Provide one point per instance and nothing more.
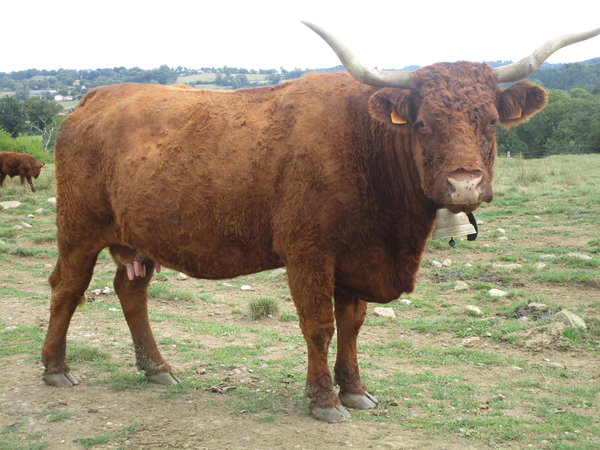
(396, 187)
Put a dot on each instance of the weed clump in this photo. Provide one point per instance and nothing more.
(262, 307)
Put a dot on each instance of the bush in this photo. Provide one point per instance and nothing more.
(263, 307)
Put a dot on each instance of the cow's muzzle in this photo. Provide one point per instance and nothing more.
(466, 191)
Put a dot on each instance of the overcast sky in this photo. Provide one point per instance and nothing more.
(81, 34)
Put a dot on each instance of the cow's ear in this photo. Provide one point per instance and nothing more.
(391, 106)
(519, 102)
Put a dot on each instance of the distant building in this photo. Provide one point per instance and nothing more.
(63, 98)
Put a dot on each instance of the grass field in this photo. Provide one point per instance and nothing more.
(445, 378)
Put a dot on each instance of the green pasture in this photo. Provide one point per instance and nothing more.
(491, 380)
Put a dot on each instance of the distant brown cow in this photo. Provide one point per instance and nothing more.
(336, 179)
(22, 164)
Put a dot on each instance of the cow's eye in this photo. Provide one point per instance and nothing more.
(420, 124)
(493, 122)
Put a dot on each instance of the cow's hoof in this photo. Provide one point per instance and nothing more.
(331, 415)
(163, 378)
(60, 380)
(358, 401)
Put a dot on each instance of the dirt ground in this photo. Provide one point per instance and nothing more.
(197, 419)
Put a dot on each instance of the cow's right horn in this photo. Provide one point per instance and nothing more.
(364, 74)
(525, 67)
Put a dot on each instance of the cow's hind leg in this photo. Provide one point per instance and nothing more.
(311, 287)
(68, 282)
(349, 316)
(132, 291)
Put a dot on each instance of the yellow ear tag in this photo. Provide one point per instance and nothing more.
(396, 118)
(517, 115)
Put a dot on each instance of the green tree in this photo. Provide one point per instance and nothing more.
(42, 118)
(12, 116)
(508, 141)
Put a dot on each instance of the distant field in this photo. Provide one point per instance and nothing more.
(210, 77)
(6, 93)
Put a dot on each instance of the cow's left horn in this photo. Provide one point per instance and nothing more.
(358, 70)
(522, 69)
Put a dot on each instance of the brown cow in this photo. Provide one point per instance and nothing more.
(337, 180)
(22, 164)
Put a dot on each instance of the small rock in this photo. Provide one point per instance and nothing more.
(246, 287)
(182, 276)
(114, 309)
(52, 201)
(461, 286)
(2, 242)
(537, 217)
(501, 230)
(405, 301)
(10, 204)
(517, 368)
(473, 310)
(436, 264)
(466, 342)
(30, 216)
(507, 266)
(579, 256)
(9, 328)
(384, 312)
(447, 262)
(17, 227)
(102, 291)
(468, 265)
(503, 238)
(538, 306)
(26, 225)
(497, 293)
(39, 210)
(547, 256)
(570, 319)
(540, 266)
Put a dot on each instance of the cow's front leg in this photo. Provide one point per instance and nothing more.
(30, 184)
(311, 287)
(349, 316)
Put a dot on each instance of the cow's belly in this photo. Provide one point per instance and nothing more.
(197, 244)
(222, 259)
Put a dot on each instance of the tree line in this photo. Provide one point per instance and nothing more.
(569, 124)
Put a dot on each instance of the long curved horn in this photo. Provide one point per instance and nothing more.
(358, 70)
(525, 67)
